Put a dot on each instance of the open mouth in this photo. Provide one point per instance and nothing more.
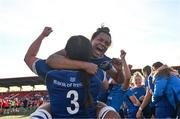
(101, 49)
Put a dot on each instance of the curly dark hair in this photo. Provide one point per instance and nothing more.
(100, 30)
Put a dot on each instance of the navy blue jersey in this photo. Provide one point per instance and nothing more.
(103, 62)
(66, 91)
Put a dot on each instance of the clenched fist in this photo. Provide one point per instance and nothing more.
(46, 31)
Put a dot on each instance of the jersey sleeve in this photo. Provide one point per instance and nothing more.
(129, 93)
(104, 75)
(40, 68)
(159, 88)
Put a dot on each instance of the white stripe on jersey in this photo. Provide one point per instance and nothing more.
(34, 66)
(110, 80)
(104, 75)
(40, 114)
(104, 111)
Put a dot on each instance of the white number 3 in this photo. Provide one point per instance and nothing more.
(74, 102)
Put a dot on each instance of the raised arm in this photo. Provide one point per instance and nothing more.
(122, 73)
(126, 71)
(30, 56)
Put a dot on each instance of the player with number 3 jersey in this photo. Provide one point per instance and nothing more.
(73, 93)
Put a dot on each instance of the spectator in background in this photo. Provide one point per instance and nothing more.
(1, 106)
(25, 103)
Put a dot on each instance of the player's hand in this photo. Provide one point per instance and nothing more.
(46, 31)
(141, 98)
(139, 114)
(123, 54)
(130, 66)
(91, 68)
(117, 63)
